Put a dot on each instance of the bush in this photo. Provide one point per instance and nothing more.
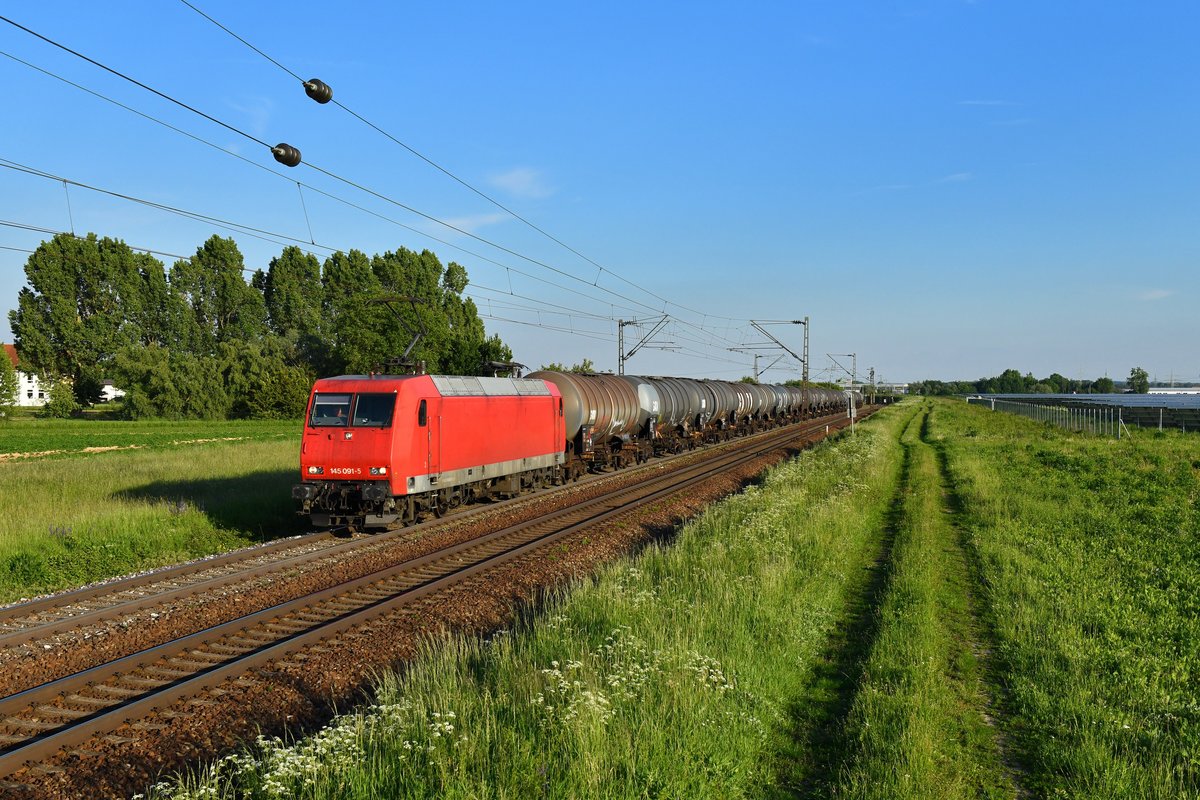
(62, 403)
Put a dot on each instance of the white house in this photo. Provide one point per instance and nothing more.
(29, 393)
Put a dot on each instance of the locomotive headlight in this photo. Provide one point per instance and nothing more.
(379, 470)
(316, 470)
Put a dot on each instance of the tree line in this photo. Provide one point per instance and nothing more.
(1013, 382)
(199, 341)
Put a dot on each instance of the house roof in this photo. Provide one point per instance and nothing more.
(11, 352)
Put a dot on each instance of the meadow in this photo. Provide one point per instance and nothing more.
(1089, 552)
(950, 603)
(675, 674)
(112, 498)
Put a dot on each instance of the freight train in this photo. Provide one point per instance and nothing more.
(380, 450)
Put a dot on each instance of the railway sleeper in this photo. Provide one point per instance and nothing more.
(256, 635)
(116, 691)
(32, 724)
(61, 711)
(146, 682)
(168, 673)
(193, 666)
(239, 645)
(95, 703)
(150, 726)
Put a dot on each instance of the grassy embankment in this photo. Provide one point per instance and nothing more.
(826, 635)
(190, 489)
(919, 725)
(675, 674)
(1090, 552)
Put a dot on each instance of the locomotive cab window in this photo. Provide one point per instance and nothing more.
(421, 414)
(330, 409)
(374, 410)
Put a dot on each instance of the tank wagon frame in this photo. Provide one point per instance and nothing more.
(384, 449)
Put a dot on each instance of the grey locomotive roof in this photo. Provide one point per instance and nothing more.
(459, 386)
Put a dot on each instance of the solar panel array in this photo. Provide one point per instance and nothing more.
(1177, 411)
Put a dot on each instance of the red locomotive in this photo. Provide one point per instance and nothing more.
(381, 449)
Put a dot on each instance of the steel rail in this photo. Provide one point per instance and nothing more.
(62, 599)
(85, 725)
(20, 633)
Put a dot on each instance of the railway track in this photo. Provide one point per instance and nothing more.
(41, 721)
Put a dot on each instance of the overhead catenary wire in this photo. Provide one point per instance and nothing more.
(354, 184)
(136, 248)
(187, 214)
(712, 335)
(229, 225)
(307, 84)
(134, 81)
(307, 186)
(588, 334)
(248, 230)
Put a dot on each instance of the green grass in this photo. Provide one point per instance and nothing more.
(1090, 552)
(916, 728)
(954, 603)
(70, 520)
(52, 438)
(675, 674)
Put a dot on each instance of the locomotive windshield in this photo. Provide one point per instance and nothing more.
(374, 410)
(330, 409)
(370, 410)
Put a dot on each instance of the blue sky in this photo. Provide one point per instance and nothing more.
(947, 189)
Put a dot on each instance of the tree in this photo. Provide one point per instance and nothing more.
(1009, 382)
(223, 306)
(260, 381)
(1139, 381)
(85, 301)
(9, 385)
(170, 384)
(408, 274)
(351, 333)
(1104, 385)
(62, 403)
(586, 366)
(293, 295)
(1058, 383)
(469, 346)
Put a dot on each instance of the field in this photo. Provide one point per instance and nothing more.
(952, 603)
(949, 603)
(86, 500)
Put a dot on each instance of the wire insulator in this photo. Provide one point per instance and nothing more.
(318, 90)
(286, 154)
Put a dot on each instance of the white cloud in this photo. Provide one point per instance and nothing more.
(1155, 294)
(884, 187)
(956, 177)
(522, 182)
(987, 103)
(473, 222)
(257, 112)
